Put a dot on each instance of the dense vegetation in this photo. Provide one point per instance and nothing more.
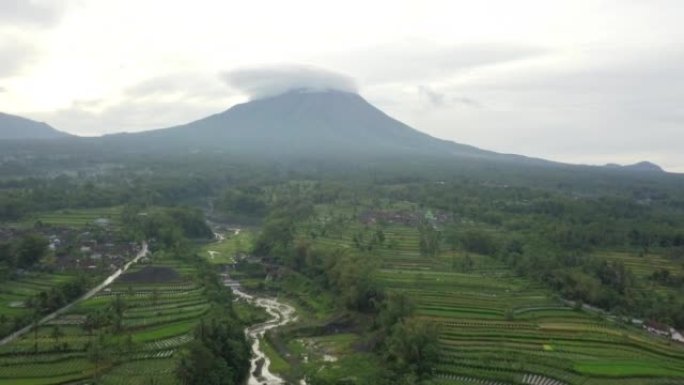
(425, 272)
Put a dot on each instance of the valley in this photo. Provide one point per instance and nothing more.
(369, 253)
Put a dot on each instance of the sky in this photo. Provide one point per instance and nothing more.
(578, 81)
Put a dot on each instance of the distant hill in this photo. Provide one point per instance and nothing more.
(16, 128)
(321, 124)
(644, 166)
(307, 127)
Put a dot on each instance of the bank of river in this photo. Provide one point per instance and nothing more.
(281, 314)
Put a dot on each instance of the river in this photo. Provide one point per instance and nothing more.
(281, 314)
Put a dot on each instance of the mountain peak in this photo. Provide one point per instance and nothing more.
(305, 122)
(643, 166)
(265, 81)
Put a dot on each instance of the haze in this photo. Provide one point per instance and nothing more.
(575, 81)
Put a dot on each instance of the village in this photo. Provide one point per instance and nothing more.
(97, 247)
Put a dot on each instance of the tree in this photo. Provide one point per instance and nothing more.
(155, 296)
(56, 334)
(98, 353)
(413, 347)
(117, 308)
(199, 366)
(430, 240)
(396, 308)
(479, 242)
(90, 323)
(31, 249)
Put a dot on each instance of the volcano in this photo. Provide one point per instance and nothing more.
(302, 122)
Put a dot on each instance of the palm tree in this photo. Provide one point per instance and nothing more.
(56, 334)
(36, 321)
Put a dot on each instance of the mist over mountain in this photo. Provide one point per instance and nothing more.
(17, 128)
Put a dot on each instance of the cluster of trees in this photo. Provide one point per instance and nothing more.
(244, 201)
(168, 228)
(665, 277)
(54, 298)
(406, 344)
(219, 354)
(22, 252)
(581, 276)
(45, 302)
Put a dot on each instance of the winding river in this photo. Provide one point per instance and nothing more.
(281, 314)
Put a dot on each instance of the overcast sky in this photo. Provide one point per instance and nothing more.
(576, 81)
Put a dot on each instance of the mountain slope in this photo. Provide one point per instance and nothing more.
(326, 123)
(17, 128)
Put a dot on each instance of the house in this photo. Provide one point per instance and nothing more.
(657, 328)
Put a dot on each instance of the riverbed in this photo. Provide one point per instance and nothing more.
(281, 314)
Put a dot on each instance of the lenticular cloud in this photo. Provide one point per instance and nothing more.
(262, 82)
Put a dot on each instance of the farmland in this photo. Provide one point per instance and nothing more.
(127, 334)
(78, 218)
(496, 326)
(72, 250)
(14, 293)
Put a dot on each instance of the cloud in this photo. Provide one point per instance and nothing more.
(96, 117)
(467, 101)
(424, 61)
(265, 81)
(434, 98)
(14, 56)
(163, 101)
(188, 85)
(441, 99)
(21, 24)
(30, 12)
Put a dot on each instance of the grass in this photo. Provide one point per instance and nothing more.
(278, 364)
(224, 252)
(43, 381)
(142, 372)
(627, 369)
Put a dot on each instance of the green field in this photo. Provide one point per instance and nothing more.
(224, 252)
(156, 320)
(78, 217)
(14, 292)
(496, 327)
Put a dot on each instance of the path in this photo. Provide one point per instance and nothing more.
(86, 296)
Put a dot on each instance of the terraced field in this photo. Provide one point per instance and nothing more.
(128, 334)
(15, 292)
(79, 217)
(497, 328)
